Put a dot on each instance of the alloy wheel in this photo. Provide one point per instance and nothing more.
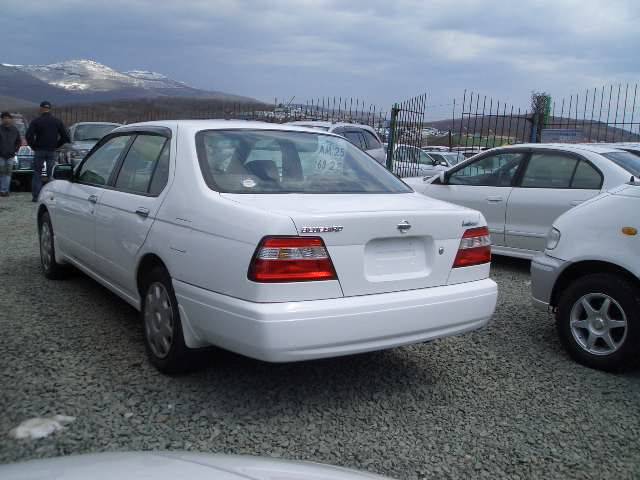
(598, 324)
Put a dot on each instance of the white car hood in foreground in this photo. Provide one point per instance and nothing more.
(173, 466)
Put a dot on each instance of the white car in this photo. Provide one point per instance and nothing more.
(362, 136)
(522, 189)
(267, 240)
(410, 161)
(174, 465)
(589, 277)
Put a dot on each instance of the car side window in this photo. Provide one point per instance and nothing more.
(97, 169)
(549, 170)
(586, 177)
(371, 140)
(495, 170)
(161, 174)
(356, 138)
(139, 164)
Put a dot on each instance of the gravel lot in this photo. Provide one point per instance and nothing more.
(505, 402)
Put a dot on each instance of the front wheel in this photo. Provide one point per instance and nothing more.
(164, 340)
(598, 321)
(51, 269)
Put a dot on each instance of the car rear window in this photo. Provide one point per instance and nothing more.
(263, 161)
(629, 161)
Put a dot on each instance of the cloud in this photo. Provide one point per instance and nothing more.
(379, 50)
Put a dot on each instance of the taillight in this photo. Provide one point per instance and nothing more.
(475, 248)
(291, 259)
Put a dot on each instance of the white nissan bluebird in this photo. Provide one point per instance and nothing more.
(277, 242)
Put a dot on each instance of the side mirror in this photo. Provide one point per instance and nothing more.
(442, 163)
(63, 171)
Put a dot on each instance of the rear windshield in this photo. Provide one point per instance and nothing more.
(258, 161)
(629, 161)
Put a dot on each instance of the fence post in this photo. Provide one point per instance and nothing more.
(392, 133)
(533, 137)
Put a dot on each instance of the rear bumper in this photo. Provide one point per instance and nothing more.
(545, 270)
(294, 331)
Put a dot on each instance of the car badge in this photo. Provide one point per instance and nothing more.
(322, 229)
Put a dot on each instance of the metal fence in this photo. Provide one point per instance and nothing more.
(331, 109)
(605, 114)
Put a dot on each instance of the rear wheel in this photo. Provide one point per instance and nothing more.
(164, 340)
(598, 321)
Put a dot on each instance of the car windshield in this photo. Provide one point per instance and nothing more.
(88, 132)
(629, 161)
(250, 161)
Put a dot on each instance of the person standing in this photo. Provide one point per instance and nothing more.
(9, 144)
(44, 135)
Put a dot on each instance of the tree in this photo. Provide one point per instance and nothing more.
(540, 103)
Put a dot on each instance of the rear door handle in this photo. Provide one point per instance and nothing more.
(143, 212)
(494, 199)
(93, 198)
(576, 202)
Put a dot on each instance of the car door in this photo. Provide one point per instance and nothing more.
(484, 184)
(126, 212)
(552, 182)
(374, 146)
(74, 219)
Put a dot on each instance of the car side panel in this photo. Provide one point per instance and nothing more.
(531, 212)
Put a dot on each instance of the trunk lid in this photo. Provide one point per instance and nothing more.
(388, 242)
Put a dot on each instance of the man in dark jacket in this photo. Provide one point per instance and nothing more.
(9, 144)
(45, 134)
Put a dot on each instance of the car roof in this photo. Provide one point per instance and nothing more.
(195, 125)
(569, 147)
(327, 124)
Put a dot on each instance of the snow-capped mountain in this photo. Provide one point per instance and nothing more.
(87, 80)
(87, 75)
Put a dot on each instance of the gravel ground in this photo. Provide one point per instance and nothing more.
(505, 402)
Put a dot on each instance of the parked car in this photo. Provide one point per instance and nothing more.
(23, 169)
(266, 240)
(452, 158)
(589, 276)
(522, 189)
(174, 466)
(362, 136)
(83, 136)
(410, 161)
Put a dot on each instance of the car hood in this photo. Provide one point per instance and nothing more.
(174, 466)
(325, 204)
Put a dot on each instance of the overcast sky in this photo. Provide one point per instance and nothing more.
(380, 51)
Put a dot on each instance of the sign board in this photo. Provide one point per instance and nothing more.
(563, 135)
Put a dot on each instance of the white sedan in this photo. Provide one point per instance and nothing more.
(267, 240)
(522, 189)
(410, 161)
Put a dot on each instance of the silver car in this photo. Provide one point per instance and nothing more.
(362, 136)
(522, 189)
(84, 136)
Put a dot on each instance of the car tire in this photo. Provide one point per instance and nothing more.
(51, 269)
(164, 340)
(584, 321)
